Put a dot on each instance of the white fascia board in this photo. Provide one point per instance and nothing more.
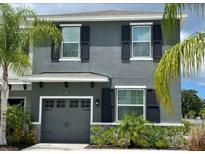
(17, 82)
(104, 18)
(65, 79)
(130, 87)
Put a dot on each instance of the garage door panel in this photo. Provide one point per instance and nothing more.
(66, 120)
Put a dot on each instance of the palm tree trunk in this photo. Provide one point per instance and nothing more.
(4, 100)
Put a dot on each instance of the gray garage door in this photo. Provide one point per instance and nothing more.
(65, 121)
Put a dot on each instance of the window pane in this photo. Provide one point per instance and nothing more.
(141, 49)
(141, 33)
(130, 96)
(70, 49)
(123, 110)
(71, 34)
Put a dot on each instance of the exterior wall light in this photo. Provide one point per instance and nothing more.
(24, 86)
(97, 102)
(41, 84)
(66, 84)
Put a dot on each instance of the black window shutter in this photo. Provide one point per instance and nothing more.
(107, 110)
(157, 42)
(153, 108)
(125, 43)
(85, 43)
(55, 50)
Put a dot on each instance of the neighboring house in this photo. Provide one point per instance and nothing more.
(103, 70)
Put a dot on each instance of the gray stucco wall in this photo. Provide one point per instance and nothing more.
(105, 58)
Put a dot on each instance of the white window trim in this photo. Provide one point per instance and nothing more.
(150, 41)
(141, 23)
(141, 58)
(69, 59)
(131, 88)
(39, 122)
(77, 42)
(70, 25)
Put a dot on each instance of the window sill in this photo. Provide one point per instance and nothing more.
(141, 58)
(69, 59)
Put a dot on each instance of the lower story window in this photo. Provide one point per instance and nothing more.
(130, 101)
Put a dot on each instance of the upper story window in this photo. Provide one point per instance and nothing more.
(71, 42)
(141, 41)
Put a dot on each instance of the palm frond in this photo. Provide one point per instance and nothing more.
(19, 62)
(42, 30)
(172, 14)
(189, 54)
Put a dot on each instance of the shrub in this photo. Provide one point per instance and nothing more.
(19, 127)
(134, 133)
(187, 126)
(129, 130)
(196, 142)
(156, 136)
(102, 136)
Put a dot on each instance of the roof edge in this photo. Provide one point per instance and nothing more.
(104, 18)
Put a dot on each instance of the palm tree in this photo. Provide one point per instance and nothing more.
(185, 58)
(13, 42)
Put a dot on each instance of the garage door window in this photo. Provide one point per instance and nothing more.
(60, 104)
(74, 104)
(49, 103)
(85, 104)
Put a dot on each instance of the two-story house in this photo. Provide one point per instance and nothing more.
(103, 70)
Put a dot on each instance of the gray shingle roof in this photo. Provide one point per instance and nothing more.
(109, 13)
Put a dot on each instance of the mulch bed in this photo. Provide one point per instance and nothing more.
(12, 148)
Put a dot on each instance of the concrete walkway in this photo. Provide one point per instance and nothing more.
(67, 147)
(55, 146)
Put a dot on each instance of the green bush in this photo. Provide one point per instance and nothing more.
(103, 137)
(19, 127)
(129, 130)
(133, 132)
(187, 126)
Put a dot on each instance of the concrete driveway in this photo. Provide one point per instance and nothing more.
(55, 146)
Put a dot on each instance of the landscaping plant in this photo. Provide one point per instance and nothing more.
(19, 127)
(196, 142)
(183, 59)
(129, 130)
(134, 132)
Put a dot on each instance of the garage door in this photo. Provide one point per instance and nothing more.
(65, 121)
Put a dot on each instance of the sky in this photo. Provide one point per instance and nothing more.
(191, 25)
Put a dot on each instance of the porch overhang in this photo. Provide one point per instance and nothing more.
(16, 81)
(65, 77)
